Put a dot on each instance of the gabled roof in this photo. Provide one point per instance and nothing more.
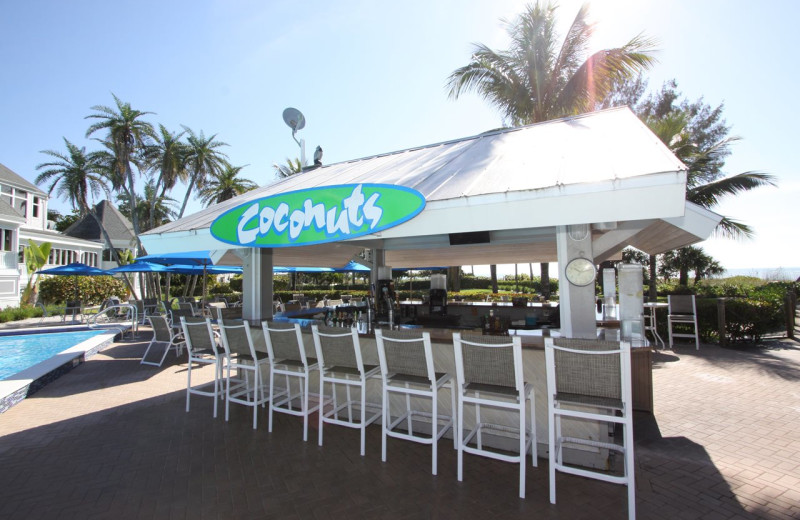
(9, 177)
(8, 212)
(115, 223)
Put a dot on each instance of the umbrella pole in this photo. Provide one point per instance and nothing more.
(204, 285)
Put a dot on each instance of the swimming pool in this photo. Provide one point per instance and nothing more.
(19, 352)
(32, 358)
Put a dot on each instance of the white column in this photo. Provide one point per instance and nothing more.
(256, 283)
(576, 304)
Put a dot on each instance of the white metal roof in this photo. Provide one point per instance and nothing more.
(517, 183)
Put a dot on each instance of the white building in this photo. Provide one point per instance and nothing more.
(23, 217)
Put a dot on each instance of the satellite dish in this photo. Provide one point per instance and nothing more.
(294, 118)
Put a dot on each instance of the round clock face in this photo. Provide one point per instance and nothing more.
(581, 272)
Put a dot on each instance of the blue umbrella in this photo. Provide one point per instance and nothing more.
(203, 269)
(75, 269)
(140, 267)
(182, 258)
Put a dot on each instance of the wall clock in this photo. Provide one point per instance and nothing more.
(580, 272)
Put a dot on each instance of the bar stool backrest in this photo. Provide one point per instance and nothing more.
(235, 334)
(595, 374)
(405, 352)
(284, 341)
(681, 304)
(490, 360)
(337, 347)
(199, 334)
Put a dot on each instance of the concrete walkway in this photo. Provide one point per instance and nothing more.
(112, 439)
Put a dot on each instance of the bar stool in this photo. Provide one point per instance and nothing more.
(683, 311)
(339, 355)
(590, 380)
(489, 374)
(287, 356)
(241, 355)
(406, 362)
(203, 350)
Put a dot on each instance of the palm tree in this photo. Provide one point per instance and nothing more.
(166, 156)
(128, 135)
(150, 208)
(225, 185)
(202, 160)
(291, 167)
(537, 79)
(77, 177)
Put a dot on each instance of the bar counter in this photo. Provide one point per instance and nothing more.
(444, 361)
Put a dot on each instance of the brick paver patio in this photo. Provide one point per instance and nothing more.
(111, 439)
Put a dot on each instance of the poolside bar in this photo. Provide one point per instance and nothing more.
(574, 191)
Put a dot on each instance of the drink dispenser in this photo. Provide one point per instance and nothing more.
(438, 294)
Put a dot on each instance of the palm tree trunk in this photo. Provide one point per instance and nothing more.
(545, 270)
(188, 192)
(493, 272)
(653, 280)
(684, 276)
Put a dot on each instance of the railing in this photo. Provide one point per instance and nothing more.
(8, 260)
(116, 317)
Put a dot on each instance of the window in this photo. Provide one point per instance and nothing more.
(37, 204)
(7, 239)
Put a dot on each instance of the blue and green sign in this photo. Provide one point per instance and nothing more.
(317, 215)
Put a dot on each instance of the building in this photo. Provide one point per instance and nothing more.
(117, 225)
(23, 218)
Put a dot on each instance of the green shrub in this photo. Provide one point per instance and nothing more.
(92, 290)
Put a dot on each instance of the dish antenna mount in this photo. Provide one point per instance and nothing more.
(295, 120)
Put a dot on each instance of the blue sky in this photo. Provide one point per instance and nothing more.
(370, 78)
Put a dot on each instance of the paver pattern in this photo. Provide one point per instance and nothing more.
(111, 439)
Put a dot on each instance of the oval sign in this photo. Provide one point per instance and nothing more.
(317, 215)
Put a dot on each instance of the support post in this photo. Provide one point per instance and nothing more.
(723, 336)
(256, 283)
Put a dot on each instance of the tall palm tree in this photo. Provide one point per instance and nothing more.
(225, 185)
(128, 134)
(537, 79)
(203, 159)
(77, 177)
(166, 157)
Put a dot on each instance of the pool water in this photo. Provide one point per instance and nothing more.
(23, 351)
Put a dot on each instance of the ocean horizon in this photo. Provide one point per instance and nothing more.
(766, 273)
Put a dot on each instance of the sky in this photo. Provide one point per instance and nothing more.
(369, 76)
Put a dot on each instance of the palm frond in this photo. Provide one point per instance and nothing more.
(708, 195)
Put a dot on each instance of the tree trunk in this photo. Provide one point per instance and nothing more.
(545, 270)
(493, 271)
(192, 180)
(653, 280)
(684, 277)
(454, 278)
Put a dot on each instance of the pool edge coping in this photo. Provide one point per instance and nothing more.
(27, 382)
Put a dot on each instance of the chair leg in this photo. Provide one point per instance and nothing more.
(522, 447)
(629, 469)
(551, 442)
(669, 330)
(385, 418)
(534, 439)
(305, 407)
(453, 414)
(460, 442)
(363, 417)
(434, 428)
(188, 382)
(321, 407)
(271, 394)
(227, 394)
(696, 336)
